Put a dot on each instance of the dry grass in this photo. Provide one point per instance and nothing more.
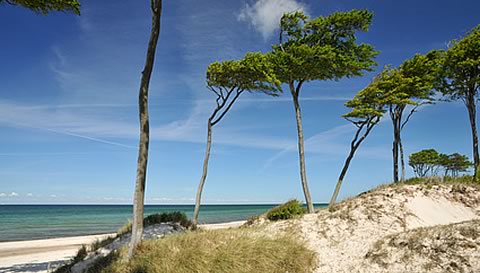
(233, 250)
(453, 248)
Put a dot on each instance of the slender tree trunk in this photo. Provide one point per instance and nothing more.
(301, 149)
(139, 195)
(402, 161)
(395, 150)
(472, 114)
(204, 174)
(342, 176)
(353, 148)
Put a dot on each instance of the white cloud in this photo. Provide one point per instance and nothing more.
(53, 195)
(3, 194)
(265, 15)
(29, 194)
(13, 194)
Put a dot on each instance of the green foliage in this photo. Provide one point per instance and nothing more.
(252, 73)
(412, 83)
(285, 211)
(322, 48)
(460, 67)
(430, 161)
(455, 163)
(46, 6)
(366, 107)
(175, 217)
(234, 250)
(424, 161)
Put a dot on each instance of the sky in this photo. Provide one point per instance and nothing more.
(69, 118)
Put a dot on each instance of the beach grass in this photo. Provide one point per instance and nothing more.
(229, 250)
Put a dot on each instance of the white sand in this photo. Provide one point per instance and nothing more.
(343, 238)
(38, 255)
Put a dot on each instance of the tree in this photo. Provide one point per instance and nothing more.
(424, 162)
(454, 163)
(46, 6)
(366, 112)
(139, 195)
(323, 48)
(461, 80)
(411, 84)
(228, 80)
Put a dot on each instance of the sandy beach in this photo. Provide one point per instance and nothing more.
(39, 255)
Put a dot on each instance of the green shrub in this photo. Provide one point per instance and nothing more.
(176, 217)
(287, 210)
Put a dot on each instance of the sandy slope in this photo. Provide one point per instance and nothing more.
(346, 238)
(38, 255)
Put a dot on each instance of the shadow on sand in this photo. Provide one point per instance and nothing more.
(32, 267)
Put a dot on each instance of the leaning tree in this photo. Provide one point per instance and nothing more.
(366, 112)
(227, 81)
(139, 194)
(409, 85)
(461, 80)
(322, 48)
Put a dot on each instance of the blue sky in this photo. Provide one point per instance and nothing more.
(68, 102)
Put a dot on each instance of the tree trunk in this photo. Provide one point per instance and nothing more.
(301, 150)
(402, 161)
(470, 103)
(342, 175)
(204, 175)
(139, 195)
(396, 137)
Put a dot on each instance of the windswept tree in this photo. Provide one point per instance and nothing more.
(139, 195)
(366, 112)
(461, 81)
(454, 164)
(322, 48)
(46, 6)
(424, 162)
(227, 81)
(410, 85)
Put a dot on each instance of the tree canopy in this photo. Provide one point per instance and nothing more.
(46, 6)
(323, 48)
(460, 67)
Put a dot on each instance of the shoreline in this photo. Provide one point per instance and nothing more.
(38, 255)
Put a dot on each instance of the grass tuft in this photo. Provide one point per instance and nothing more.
(235, 250)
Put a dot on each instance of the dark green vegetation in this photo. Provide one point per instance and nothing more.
(46, 6)
(288, 210)
(168, 217)
(431, 162)
(460, 80)
(230, 250)
(319, 49)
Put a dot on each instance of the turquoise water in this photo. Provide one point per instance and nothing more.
(28, 222)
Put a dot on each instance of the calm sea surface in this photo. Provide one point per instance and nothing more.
(27, 222)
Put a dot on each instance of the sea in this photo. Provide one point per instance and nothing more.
(31, 222)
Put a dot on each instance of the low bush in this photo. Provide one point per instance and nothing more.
(228, 251)
(285, 211)
(176, 217)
